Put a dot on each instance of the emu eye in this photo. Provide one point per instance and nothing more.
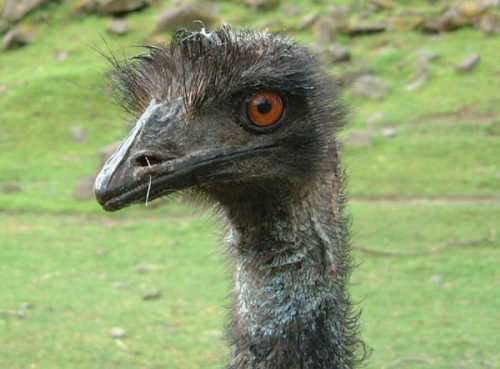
(265, 108)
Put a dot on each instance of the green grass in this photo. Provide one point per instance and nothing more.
(79, 273)
(77, 266)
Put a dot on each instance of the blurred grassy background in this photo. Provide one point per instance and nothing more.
(423, 179)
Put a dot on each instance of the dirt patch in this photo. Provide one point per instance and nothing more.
(477, 113)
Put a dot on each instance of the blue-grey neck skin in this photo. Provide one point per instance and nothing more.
(291, 265)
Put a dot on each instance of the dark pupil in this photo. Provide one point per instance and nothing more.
(264, 106)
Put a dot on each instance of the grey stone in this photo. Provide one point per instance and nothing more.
(451, 19)
(379, 5)
(437, 279)
(361, 28)
(10, 187)
(389, 132)
(262, 4)
(421, 77)
(469, 63)
(307, 21)
(15, 10)
(291, 10)
(108, 150)
(15, 39)
(4, 27)
(119, 27)
(153, 294)
(191, 16)
(490, 24)
(120, 6)
(78, 134)
(84, 189)
(370, 87)
(375, 119)
(337, 53)
(359, 138)
(111, 7)
(118, 333)
(336, 20)
(426, 56)
(61, 55)
(145, 268)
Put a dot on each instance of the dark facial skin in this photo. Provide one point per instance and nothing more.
(279, 184)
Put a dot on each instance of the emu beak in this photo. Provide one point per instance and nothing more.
(135, 173)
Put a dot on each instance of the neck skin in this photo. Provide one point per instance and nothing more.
(292, 262)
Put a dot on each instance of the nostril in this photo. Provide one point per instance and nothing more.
(147, 160)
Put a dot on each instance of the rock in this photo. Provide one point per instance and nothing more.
(120, 6)
(118, 333)
(61, 55)
(111, 7)
(324, 31)
(274, 25)
(4, 27)
(329, 25)
(405, 22)
(119, 285)
(379, 5)
(426, 56)
(361, 28)
(359, 138)
(487, 4)
(109, 150)
(15, 10)
(452, 19)
(420, 78)
(422, 74)
(84, 189)
(151, 295)
(19, 314)
(15, 39)
(10, 187)
(291, 10)
(389, 132)
(86, 6)
(27, 306)
(375, 119)
(490, 24)
(336, 53)
(307, 21)
(77, 134)
(191, 16)
(262, 4)
(118, 27)
(371, 87)
(469, 63)
(470, 9)
(145, 268)
(437, 279)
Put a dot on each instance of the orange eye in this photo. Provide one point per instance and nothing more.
(265, 108)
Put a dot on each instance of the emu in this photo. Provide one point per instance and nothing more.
(248, 121)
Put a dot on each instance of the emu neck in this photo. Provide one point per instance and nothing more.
(291, 309)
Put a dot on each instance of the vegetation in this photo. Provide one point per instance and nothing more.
(425, 209)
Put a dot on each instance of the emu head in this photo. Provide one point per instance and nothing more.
(232, 115)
